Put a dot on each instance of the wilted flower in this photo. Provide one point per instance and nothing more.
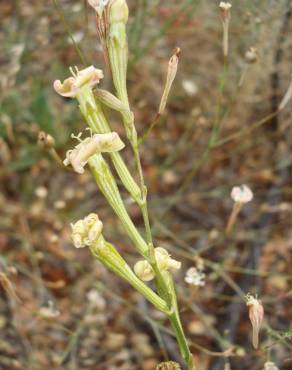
(195, 277)
(87, 231)
(256, 315)
(251, 56)
(225, 6)
(45, 140)
(164, 261)
(98, 143)
(98, 5)
(171, 73)
(241, 194)
(89, 76)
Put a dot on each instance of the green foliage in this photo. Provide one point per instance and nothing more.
(41, 111)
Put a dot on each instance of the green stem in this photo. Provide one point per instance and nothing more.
(96, 120)
(176, 324)
(107, 254)
(181, 339)
(109, 189)
(118, 54)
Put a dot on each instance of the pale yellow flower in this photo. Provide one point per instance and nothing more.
(164, 261)
(98, 143)
(87, 231)
(89, 76)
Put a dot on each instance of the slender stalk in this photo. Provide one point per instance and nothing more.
(118, 56)
(96, 120)
(108, 187)
(109, 256)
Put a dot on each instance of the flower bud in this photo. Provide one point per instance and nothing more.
(256, 315)
(118, 12)
(164, 262)
(144, 271)
(46, 141)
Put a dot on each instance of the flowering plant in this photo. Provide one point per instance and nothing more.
(157, 264)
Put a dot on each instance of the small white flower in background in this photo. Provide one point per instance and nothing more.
(49, 312)
(241, 194)
(256, 316)
(251, 56)
(96, 299)
(144, 270)
(225, 6)
(96, 144)
(89, 76)
(87, 231)
(41, 192)
(269, 365)
(195, 277)
(190, 87)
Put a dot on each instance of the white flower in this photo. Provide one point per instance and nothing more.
(89, 76)
(251, 56)
(190, 87)
(225, 6)
(87, 231)
(241, 194)
(164, 261)
(195, 277)
(96, 299)
(269, 365)
(49, 312)
(98, 143)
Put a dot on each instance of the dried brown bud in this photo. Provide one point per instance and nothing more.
(169, 365)
(256, 316)
(45, 140)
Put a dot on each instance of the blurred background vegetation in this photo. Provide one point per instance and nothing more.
(55, 310)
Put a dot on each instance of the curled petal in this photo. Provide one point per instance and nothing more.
(87, 231)
(98, 143)
(67, 88)
(89, 76)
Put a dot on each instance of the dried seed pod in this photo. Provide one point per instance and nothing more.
(256, 315)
